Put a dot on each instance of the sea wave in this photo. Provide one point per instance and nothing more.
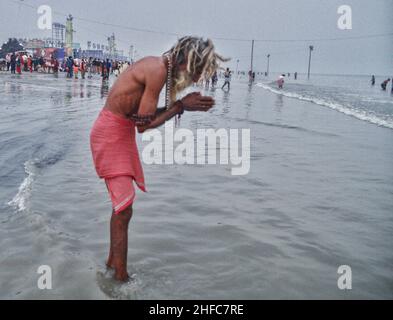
(348, 110)
(32, 169)
(20, 200)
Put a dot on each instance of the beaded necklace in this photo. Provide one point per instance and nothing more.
(168, 81)
(143, 120)
(168, 95)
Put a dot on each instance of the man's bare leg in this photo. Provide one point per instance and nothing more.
(109, 262)
(119, 243)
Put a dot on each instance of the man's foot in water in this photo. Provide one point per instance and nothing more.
(122, 276)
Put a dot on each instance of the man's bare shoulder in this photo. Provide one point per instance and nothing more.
(152, 68)
(153, 65)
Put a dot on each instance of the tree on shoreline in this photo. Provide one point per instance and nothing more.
(12, 45)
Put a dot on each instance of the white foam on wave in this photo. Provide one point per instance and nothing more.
(20, 200)
(359, 114)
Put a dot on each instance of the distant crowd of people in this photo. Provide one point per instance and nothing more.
(227, 77)
(90, 66)
(16, 63)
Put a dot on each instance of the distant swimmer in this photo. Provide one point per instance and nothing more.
(280, 81)
(373, 80)
(384, 84)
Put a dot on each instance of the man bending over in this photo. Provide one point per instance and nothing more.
(132, 102)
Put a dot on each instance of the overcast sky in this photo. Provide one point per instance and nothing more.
(233, 19)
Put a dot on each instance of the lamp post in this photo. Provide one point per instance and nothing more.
(309, 61)
(252, 55)
(268, 64)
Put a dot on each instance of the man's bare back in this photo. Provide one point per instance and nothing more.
(126, 94)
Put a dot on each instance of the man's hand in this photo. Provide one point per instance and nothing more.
(196, 102)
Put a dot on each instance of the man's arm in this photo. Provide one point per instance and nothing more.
(152, 116)
(162, 115)
(191, 102)
(160, 110)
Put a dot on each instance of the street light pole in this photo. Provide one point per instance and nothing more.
(252, 55)
(268, 64)
(309, 62)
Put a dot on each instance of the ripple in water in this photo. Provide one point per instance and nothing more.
(19, 202)
(32, 167)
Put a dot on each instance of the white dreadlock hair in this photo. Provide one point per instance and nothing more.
(200, 57)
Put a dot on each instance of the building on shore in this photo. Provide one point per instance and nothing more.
(61, 44)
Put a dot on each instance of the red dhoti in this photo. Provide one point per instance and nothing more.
(116, 158)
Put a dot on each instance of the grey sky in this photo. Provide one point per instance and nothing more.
(247, 19)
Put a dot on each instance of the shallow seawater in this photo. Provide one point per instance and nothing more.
(349, 94)
(319, 194)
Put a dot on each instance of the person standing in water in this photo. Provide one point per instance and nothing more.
(227, 77)
(89, 66)
(214, 79)
(207, 82)
(30, 63)
(132, 103)
(385, 84)
(13, 63)
(76, 68)
(83, 68)
(70, 67)
(8, 60)
(19, 64)
(108, 66)
(280, 81)
(105, 70)
(55, 66)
